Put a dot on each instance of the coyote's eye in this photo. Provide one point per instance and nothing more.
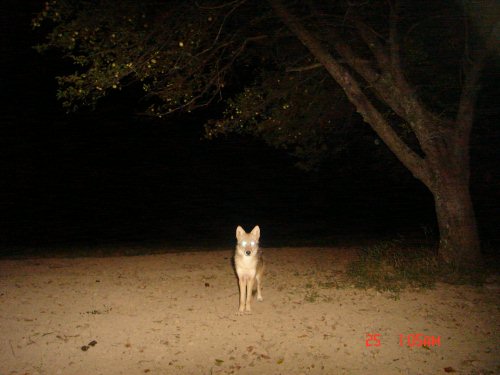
(244, 243)
(252, 243)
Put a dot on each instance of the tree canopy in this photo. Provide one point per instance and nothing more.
(186, 55)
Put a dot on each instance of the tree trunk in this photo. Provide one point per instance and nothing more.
(458, 238)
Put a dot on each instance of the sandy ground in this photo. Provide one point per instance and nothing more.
(176, 314)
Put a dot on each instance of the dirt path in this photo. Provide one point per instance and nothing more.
(175, 314)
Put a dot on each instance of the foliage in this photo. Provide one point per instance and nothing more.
(289, 112)
(186, 55)
(177, 52)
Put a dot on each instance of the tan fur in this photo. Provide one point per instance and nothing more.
(249, 266)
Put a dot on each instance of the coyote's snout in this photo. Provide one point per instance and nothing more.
(249, 266)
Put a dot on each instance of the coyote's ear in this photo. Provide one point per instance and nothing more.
(239, 232)
(255, 232)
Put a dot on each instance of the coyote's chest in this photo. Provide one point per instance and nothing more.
(246, 264)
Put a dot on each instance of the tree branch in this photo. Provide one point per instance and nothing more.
(376, 47)
(395, 88)
(370, 114)
(304, 68)
(393, 36)
(389, 85)
(468, 96)
(319, 65)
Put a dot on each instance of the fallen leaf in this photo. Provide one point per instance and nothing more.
(219, 362)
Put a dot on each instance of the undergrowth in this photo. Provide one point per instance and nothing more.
(391, 266)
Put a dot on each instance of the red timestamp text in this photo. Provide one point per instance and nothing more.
(410, 340)
(419, 340)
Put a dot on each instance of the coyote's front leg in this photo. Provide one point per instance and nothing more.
(248, 309)
(246, 288)
(243, 288)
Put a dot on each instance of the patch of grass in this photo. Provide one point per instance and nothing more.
(313, 291)
(311, 296)
(392, 266)
(327, 284)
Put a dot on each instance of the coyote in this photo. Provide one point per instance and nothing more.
(249, 266)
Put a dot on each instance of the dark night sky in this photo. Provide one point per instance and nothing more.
(109, 176)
